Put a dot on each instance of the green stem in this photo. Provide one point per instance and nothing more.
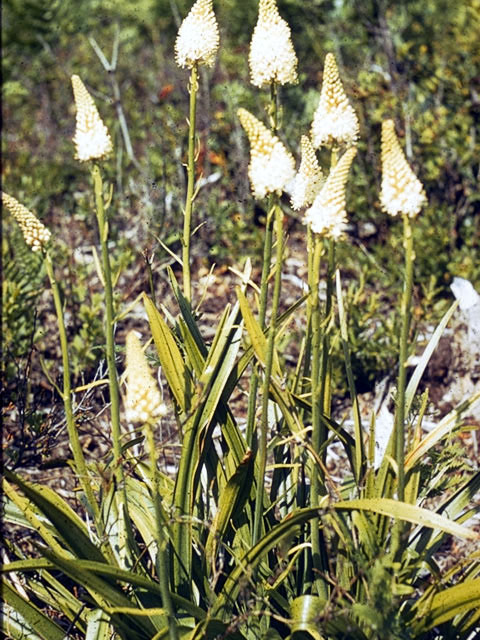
(267, 258)
(318, 429)
(402, 371)
(76, 447)
(263, 436)
(187, 220)
(109, 324)
(162, 542)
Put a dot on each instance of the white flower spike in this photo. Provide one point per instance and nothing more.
(35, 233)
(308, 180)
(92, 140)
(272, 57)
(402, 192)
(327, 215)
(198, 38)
(271, 165)
(143, 403)
(335, 121)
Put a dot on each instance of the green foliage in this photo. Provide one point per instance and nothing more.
(220, 546)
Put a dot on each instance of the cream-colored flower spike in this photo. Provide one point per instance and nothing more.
(35, 233)
(402, 192)
(143, 403)
(308, 180)
(198, 38)
(92, 140)
(335, 121)
(272, 57)
(271, 165)
(327, 215)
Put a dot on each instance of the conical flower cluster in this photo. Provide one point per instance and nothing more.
(308, 180)
(92, 140)
(271, 165)
(327, 215)
(35, 233)
(272, 57)
(143, 403)
(335, 121)
(198, 38)
(402, 192)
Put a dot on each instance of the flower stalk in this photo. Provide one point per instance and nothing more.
(109, 322)
(187, 219)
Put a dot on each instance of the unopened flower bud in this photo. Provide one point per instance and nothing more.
(35, 233)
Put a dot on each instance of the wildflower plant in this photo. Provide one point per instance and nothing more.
(250, 536)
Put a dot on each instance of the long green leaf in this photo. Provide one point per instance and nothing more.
(38, 621)
(66, 522)
(447, 604)
(98, 626)
(171, 359)
(410, 513)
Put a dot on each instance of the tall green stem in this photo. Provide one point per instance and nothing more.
(263, 435)
(76, 447)
(267, 258)
(317, 408)
(162, 555)
(187, 220)
(402, 371)
(109, 323)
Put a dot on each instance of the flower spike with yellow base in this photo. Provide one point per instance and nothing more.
(335, 121)
(35, 233)
(308, 180)
(402, 192)
(198, 38)
(271, 165)
(143, 403)
(272, 56)
(92, 140)
(327, 215)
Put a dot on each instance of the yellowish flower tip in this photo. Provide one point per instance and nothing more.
(308, 180)
(92, 140)
(402, 192)
(143, 403)
(35, 233)
(327, 215)
(198, 38)
(271, 165)
(272, 56)
(335, 121)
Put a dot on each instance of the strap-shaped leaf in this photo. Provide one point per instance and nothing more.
(410, 513)
(35, 619)
(232, 500)
(171, 359)
(447, 604)
(66, 522)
